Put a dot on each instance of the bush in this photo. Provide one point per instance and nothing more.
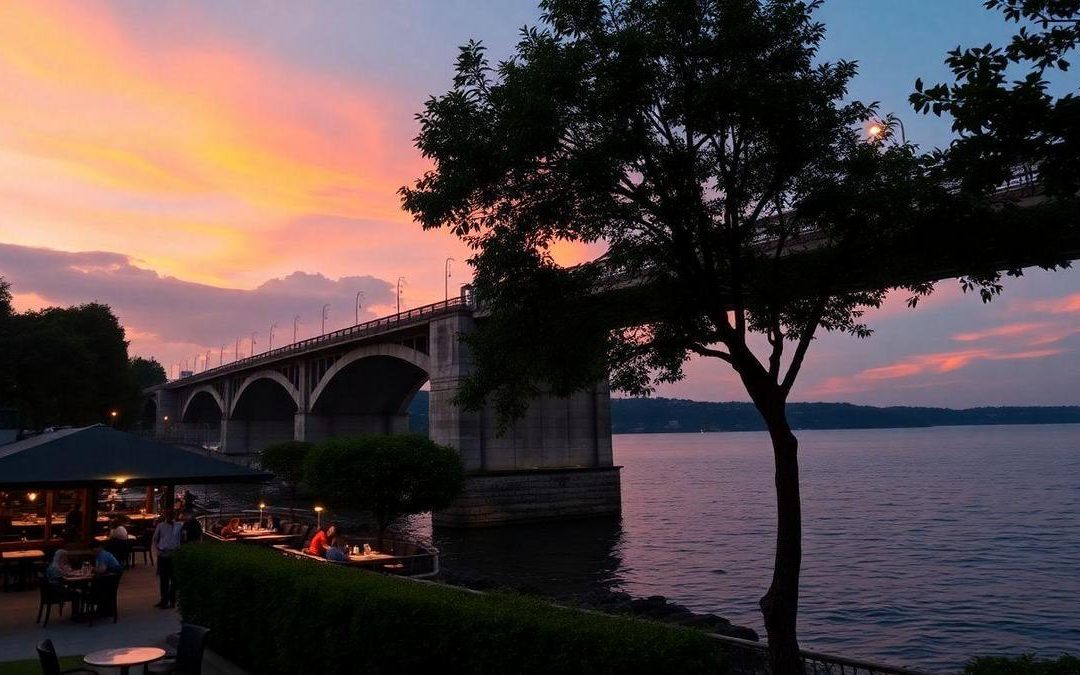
(390, 476)
(1023, 665)
(271, 614)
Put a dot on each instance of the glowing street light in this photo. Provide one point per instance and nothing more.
(318, 517)
(262, 505)
(113, 415)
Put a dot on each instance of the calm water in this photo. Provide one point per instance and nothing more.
(922, 547)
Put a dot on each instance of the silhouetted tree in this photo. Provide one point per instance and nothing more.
(389, 476)
(286, 461)
(706, 148)
(146, 372)
(1001, 106)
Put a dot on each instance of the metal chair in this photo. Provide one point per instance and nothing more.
(189, 652)
(50, 662)
(101, 600)
(143, 545)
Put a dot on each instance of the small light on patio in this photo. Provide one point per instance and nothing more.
(262, 505)
(32, 496)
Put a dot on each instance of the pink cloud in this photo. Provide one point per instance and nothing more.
(1066, 305)
(1007, 330)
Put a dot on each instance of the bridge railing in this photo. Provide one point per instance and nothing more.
(401, 319)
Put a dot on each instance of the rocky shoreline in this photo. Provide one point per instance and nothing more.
(654, 607)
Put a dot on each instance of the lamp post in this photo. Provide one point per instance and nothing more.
(270, 344)
(221, 356)
(318, 517)
(236, 350)
(325, 311)
(112, 416)
(359, 294)
(446, 280)
(295, 327)
(253, 344)
(880, 128)
(262, 505)
(399, 282)
(206, 365)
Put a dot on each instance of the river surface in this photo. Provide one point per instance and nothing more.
(922, 547)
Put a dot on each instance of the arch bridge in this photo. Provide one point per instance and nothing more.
(555, 462)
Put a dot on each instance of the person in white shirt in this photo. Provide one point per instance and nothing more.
(118, 531)
(166, 541)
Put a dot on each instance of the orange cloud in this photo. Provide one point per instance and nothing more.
(923, 364)
(1066, 305)
(1006, 330)
(186, 155)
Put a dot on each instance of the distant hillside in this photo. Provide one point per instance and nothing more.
(670, 415)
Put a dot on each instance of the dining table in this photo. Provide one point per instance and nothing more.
(124, 658)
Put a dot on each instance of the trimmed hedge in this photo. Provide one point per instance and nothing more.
(1023, 665)
(271, 614)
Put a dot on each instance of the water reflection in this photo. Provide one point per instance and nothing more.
(555, 558)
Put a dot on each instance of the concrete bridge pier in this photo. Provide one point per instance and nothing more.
(554, 463)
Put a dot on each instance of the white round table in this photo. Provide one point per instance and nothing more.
(123, 658)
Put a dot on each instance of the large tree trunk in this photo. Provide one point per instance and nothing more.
(780, 604)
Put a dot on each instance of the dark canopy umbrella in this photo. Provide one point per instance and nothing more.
(100, 456)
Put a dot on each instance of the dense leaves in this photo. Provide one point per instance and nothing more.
(286, 461)
(295, 616)
(389, 476)
(147, 372)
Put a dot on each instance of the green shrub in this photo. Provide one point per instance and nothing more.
(1023, 665)
(271, 614)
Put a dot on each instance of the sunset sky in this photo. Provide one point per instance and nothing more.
(211, 168)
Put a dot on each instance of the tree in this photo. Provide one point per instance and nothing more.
(741, 209)
(1003, 123)
(286, 461)
(390, 476)
(146, 372)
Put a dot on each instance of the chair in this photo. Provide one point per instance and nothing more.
(50, 662)
(53, 594)
(142, 544)
(101, 600)
(189, 652)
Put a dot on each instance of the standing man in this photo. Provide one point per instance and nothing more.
(192, 526)
(166, 540)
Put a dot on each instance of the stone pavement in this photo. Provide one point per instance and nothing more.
(139, 624)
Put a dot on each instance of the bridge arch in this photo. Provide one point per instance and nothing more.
(262, 390)
(398, 371)
(203, 404)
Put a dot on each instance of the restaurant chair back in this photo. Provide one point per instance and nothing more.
(189, 652)
(143, 545)
(50, 662)
(52, 594)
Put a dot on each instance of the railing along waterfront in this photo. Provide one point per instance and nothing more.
(752, 658)
(382, 324)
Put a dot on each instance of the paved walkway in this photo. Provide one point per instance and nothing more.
(139, 624)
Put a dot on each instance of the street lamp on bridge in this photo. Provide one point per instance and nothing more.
(399, 282)
(253, 344)
(270, 343)
(359, 294)
(295, 327)
(325, 311)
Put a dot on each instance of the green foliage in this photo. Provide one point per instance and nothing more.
(286, 461)
(33, 666)
(390, 476)
(1001, 105)
(278, 615)
(1023, 665)
(146, 372)
(67, 366)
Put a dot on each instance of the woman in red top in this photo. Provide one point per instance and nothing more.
(320, 542)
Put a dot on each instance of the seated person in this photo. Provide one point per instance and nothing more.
(59, 566)
(232, 529)
(320, 540)
(337, 551)
(105, 562)
(192, 527)
(117, 530)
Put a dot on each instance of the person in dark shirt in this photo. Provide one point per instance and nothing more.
(192, 527)
(73, 523)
